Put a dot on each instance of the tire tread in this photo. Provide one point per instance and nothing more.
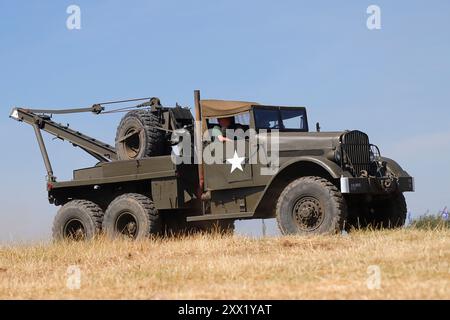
(334, 193)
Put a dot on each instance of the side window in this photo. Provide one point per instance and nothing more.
(267, 119)
(293, 122)
(242, 119)
(293, 119)
(239, 121)
(212, 122)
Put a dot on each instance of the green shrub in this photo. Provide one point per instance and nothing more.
(430, 222)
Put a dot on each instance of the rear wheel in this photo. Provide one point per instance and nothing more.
(138, 136)
(77, 220)
(310, 205)
(132, 216)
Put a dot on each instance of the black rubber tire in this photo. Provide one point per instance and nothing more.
(384, 212)
(148, 142)
(131, 215)
(330, 204)
(77, 220)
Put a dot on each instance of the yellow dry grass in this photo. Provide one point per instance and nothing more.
(414, 264)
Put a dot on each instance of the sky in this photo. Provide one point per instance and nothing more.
(392, 83)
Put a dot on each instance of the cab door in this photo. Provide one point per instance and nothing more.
(231, 168)
(230, 181)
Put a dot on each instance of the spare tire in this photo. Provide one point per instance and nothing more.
(138, 136)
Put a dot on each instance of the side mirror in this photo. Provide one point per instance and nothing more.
(317, 127)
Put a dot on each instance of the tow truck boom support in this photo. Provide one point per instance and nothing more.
(98, 149)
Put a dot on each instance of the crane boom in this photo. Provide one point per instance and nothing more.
(96, 148)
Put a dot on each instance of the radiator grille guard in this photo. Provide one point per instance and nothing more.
(355, 148)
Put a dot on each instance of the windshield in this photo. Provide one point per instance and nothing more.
(281, 119)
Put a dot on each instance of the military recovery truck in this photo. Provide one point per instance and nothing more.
(323, 182)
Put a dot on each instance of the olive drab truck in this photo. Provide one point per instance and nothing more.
(311, 182)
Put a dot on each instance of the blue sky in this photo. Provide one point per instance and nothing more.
(392, 83)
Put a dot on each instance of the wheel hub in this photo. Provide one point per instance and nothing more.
(308, 213)
(126, 225)
(132, 142)
(74, 230)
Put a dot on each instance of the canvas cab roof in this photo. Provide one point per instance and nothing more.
(224, 108)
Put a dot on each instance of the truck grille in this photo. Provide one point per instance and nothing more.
(356, 152)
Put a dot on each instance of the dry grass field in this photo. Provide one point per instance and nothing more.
(413, 264)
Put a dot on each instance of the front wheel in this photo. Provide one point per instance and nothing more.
(311, 205)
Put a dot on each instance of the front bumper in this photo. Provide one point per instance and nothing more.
(376, 185)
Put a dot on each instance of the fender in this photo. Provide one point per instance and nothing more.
(331, 167)
(395, 168)
(328, 166)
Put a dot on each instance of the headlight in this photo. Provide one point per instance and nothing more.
(337, 155)
(371, 156)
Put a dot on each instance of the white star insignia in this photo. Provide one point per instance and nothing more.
(236, 162)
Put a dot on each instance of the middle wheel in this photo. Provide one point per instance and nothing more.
(131, 215)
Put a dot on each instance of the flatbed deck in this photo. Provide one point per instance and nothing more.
(121, 171)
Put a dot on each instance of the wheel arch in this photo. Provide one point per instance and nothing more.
(396, 169)
(291, 170)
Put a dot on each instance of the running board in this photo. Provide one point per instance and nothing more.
(238, 215)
